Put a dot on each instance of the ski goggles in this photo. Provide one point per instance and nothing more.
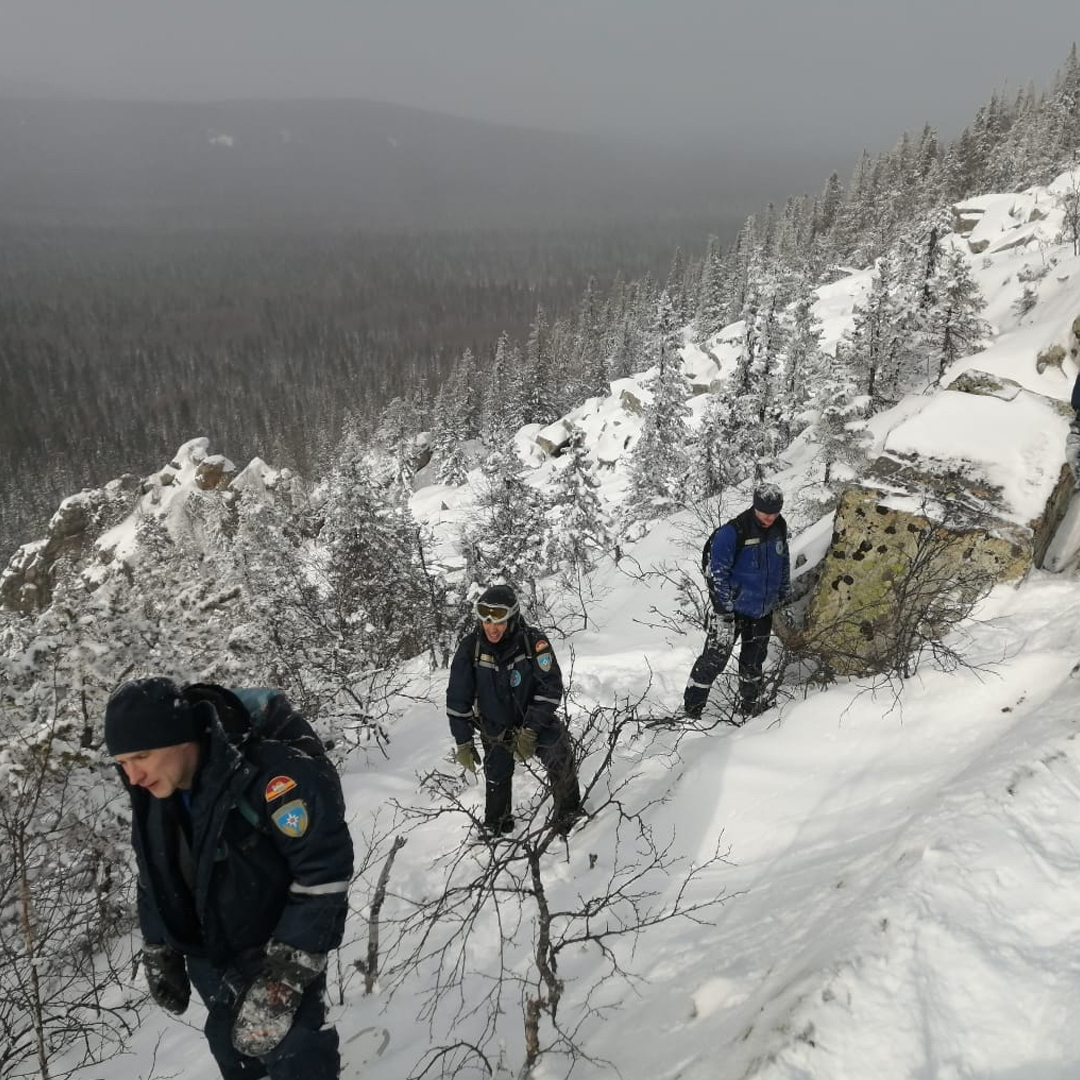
(494, 613)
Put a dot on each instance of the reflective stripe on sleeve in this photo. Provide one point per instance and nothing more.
(320, 890)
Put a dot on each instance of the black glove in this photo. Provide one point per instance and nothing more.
(269, 1004)
(166, 977)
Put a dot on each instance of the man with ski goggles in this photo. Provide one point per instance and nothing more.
(506, 686)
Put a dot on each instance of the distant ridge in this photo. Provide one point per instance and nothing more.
(364, 163)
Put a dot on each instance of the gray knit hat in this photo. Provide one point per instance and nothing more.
(768, 498)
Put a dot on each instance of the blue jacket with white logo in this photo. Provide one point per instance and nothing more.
(262, 853)
(515, 683)
(757, 578)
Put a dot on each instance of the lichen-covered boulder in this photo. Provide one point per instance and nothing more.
(965, 493)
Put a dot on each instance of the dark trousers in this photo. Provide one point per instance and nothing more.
(754, 635)
(553, 750)
(307, 1053)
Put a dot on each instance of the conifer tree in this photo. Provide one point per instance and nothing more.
(579, 525)
(804, 363)
(711, 315)
(713, 466)
(447, 436)
(953, 327)
(658, 464)
(500, 409)
(875, 344)
(507, 533)
(536, 380)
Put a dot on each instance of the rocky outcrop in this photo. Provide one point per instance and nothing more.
(96, 527)
(965, 494)
(26, 585)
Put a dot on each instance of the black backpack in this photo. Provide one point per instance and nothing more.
(706, 551)
(258, 712)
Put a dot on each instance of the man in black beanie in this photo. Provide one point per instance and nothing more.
(244, 866)
(506, 686)
(748, 570)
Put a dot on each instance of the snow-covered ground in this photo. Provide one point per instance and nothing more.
(902, 884)
(899, 893)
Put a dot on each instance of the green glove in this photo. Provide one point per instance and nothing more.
(465, 755)
(524, 743)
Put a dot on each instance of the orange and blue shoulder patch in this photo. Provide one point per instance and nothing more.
(293, 818)
(278, 787)
(544, 661)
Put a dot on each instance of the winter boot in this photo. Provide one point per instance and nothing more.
(566, 811)
(497, 817)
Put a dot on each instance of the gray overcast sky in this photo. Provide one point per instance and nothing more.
(824, 73)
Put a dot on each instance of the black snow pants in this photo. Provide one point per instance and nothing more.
(754, 635)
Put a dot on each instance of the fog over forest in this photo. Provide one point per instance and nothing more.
(254, 271)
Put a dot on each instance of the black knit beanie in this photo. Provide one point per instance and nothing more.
(147, 714)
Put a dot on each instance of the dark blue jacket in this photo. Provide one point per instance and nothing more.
(284, 876)
(516, 683)
(758, 578)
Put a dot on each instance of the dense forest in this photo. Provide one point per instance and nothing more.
(118, 343)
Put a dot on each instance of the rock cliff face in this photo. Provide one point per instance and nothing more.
(929, 531)
(94, 529)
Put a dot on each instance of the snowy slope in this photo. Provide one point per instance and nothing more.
(899, 894)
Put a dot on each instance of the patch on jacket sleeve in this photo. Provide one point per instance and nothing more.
(278, 787)
(292, 819)
(544, 662)
(541, 644)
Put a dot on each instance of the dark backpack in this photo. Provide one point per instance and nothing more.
(706, 551)
(258, 712)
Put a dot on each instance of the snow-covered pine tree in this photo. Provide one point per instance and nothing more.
(839, 429)
(579, 526)
(659, 462)
(399, 427)
(500, 399)
(712, 300)
(713, 467)
(804, 362)
(876, 343)
(952, 326)
(507, 533)
(536, 387)
(448, 435)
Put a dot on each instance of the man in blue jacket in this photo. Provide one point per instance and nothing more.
(244, 864)
(749, 575)
(506, 686)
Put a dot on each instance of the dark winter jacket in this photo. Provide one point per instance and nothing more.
(516, 683)
(214, 884)
(756, 579)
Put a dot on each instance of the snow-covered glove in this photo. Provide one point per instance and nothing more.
(167, 977)
(524, 743)
(269, 1005)
(465, 755)
(723, 628)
